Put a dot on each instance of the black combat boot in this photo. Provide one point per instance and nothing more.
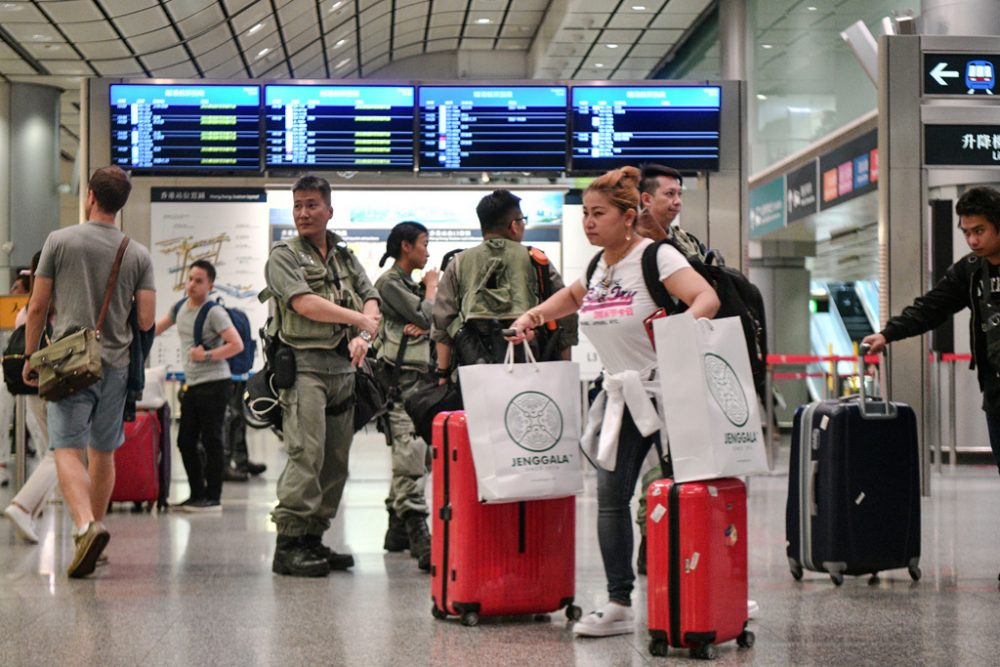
(293, 557)
(396, 538)
(336, 561)
(420, 539)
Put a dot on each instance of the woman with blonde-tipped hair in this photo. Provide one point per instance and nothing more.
(613, 304)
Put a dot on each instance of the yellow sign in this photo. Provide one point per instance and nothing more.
(10, 306)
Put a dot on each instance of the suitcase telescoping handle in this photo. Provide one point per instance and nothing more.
(874, 408)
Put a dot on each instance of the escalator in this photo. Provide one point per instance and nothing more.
(851, 309)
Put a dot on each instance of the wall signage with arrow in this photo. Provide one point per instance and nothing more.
(961, 73)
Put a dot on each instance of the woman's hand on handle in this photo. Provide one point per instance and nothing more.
(876, 342)
(521, 330)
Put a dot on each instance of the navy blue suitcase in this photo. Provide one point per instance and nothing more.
(853, 489)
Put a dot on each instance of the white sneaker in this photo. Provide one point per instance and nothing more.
(613, 619)
(752, 608)
(23, 523)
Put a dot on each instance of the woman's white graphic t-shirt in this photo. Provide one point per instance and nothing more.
(616, 304)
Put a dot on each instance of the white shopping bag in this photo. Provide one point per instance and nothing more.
(524, 428)
(709, 403)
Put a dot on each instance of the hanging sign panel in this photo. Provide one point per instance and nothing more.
(767, 208)
(962, 145)
(849, 170)
(800, 192)
(960, 73)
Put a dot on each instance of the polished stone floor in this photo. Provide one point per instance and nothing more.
(198, 590)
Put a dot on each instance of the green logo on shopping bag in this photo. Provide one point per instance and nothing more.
(533, 421)
(726, 389)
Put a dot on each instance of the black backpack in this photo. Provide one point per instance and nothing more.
(738, 297)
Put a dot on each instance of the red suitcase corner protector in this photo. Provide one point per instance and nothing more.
(500, 559)
(697, 580)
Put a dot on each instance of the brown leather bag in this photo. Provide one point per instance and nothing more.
(73, 362)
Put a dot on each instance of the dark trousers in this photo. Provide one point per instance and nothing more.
(203, 414)
(236, 454)
(993, 426)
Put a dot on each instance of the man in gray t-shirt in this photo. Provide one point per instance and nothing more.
(205, 346)
(72, 275)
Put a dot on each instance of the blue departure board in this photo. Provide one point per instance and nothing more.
(185, 127)
(492, 128)
(616, 126)
(339, 126)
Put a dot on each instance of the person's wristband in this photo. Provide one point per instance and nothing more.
(442, 372)
(208, 355)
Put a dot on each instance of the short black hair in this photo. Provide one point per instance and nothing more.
(313, 183)
(206, 266)
(982, 201)
(650, 171)
(409, 231)
(494, 210)
(111, 188)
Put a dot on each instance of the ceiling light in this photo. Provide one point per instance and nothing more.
(335, 6)
(340, 43)
(483, 21)
(761, 96)
(263, 52)
(41, 38)
(598, 65)
(611, 46)
(811, 9)
(799, 110)
(342, 63)
(255, 28)
(638, 8)
(11, 7)
(767, 46)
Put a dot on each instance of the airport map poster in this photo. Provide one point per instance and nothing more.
(363, 218)
(226, 226)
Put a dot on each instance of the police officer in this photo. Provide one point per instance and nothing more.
(405, 353)
(486, 287)
(327, 312)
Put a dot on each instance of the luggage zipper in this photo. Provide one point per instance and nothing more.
(674, 566)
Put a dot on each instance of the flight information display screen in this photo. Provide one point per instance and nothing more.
(185, 127)
(337, 126)
(618, 126)
(492, 128)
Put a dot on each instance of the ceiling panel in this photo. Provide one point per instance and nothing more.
(19, 12)
(218, 55)
(123, 67)
(692, 6)
(475, 44)
(413, 12)
(104, 50)
(182, 70)
(88, 31)
(671, 20)
(514, 44)
(166, 58)
(208, 20)
(71, 11)
(408, 51)
(12, 66)
(446, 18)
(145, 23)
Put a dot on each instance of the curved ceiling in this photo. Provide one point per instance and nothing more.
(61, 41)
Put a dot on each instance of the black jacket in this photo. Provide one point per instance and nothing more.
(965, 285)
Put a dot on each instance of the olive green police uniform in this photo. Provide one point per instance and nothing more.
(311, 485)
(495, 280)
(402, 304)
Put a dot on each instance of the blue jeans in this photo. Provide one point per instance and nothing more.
(993, 426)
(614, 513)
(92, 417)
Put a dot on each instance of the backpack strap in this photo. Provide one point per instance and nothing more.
(592, 267)
(199, 320)
(543, 271)
(651, 275)
(176, 308)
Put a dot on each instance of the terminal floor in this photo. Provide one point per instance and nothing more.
(198, 590)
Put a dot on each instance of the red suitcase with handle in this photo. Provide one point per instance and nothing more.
(494, 560)
(696, 536)
(137, 461)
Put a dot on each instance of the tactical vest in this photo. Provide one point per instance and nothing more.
(496, 280)
(417, 354)
(335, 284)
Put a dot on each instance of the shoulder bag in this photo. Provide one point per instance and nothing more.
(73, 362)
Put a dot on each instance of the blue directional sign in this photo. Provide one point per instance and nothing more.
(960, 74)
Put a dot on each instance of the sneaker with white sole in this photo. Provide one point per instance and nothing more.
(23, 523)
(612, 619)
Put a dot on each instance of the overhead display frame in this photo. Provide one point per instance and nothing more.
(339, 126)
(188, 127)
(613, 126)
(492, 127)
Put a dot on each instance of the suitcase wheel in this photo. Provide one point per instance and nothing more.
(915, 573)
(873, 580)
(658, 647)
(837, 578)
(470, 619)
(746, 639)
(437, 613)
(706, 652)
(574, 613)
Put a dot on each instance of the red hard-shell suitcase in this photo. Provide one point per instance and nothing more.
(137, 461)
(696, 536)
(494, 560)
